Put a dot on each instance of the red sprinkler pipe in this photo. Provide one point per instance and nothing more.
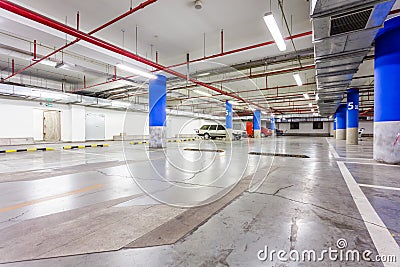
(131, 11)
(220, 55)
(222, 41)
(243, 49)
(12, 66)
(34, 50)
(77, 21)
(24, 12)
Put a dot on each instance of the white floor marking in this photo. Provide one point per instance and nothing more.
(332, 150)
(380, 187)
(373, 163)
(383, 240)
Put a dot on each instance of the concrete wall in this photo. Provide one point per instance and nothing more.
(305, 128)
(20, 118)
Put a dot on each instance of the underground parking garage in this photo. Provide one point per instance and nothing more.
(199, 133)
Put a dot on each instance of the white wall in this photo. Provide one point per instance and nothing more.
(304, 128)
(20, 118)
(368, 126)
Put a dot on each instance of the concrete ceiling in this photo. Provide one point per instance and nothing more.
(173, 28)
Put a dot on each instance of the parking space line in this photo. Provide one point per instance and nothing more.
(380, 187)
(382, 238)
(44, 199)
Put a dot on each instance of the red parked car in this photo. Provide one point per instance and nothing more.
(250, 132)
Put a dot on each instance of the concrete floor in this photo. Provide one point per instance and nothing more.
(87, 207)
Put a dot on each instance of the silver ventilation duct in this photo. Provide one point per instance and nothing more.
(343, 33)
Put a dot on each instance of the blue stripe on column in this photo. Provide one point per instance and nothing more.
(352, 108)
(257, 120)
(387, 72)
(229, 115)
(158, 101)
(273, 124)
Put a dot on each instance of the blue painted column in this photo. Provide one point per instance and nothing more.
(229, 121)
(257, 124)
(387, 93)
(334, 125)
(273, 124)
(352, 116)
(341, 122)
(157, 111)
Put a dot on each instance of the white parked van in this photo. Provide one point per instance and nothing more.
(214, 131)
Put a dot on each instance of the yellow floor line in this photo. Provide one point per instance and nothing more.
(44, 199)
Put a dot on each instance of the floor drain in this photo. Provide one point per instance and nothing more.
(204, 150)
(279, 155)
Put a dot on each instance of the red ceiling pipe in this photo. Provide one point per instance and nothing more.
(222, 41)
(12, 66)
(218, 55)
(254, 76)
(246, 91)
(131, 11)
(394, 11)
(157, 57)
(34, 50)
(24, 12)
(77, 21)
(243, 49)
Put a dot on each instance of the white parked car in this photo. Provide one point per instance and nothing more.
(213, 131)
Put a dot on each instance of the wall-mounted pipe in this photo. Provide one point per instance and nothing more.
(131, 11)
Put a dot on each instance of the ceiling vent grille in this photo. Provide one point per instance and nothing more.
(350, 22)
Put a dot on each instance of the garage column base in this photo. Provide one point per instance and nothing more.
(352, 136)
(334, 134)
(257, 133)
(157, 136)
(229, 135)
(385, 147)
(341, 134)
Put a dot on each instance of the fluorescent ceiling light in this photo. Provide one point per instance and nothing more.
(203, 74)
(48, 63)
(297, 77)
(274, 30)
(136, 71)
(202, 93)
(312, 110)
(306, 96)
(310, 105)
(118, 90)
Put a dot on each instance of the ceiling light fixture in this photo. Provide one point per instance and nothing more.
(203, 74)
(136, 71)
(274, 30)
(306, 96)
(297, 77)
(310, 105)
(202, 93)
(48, 63)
